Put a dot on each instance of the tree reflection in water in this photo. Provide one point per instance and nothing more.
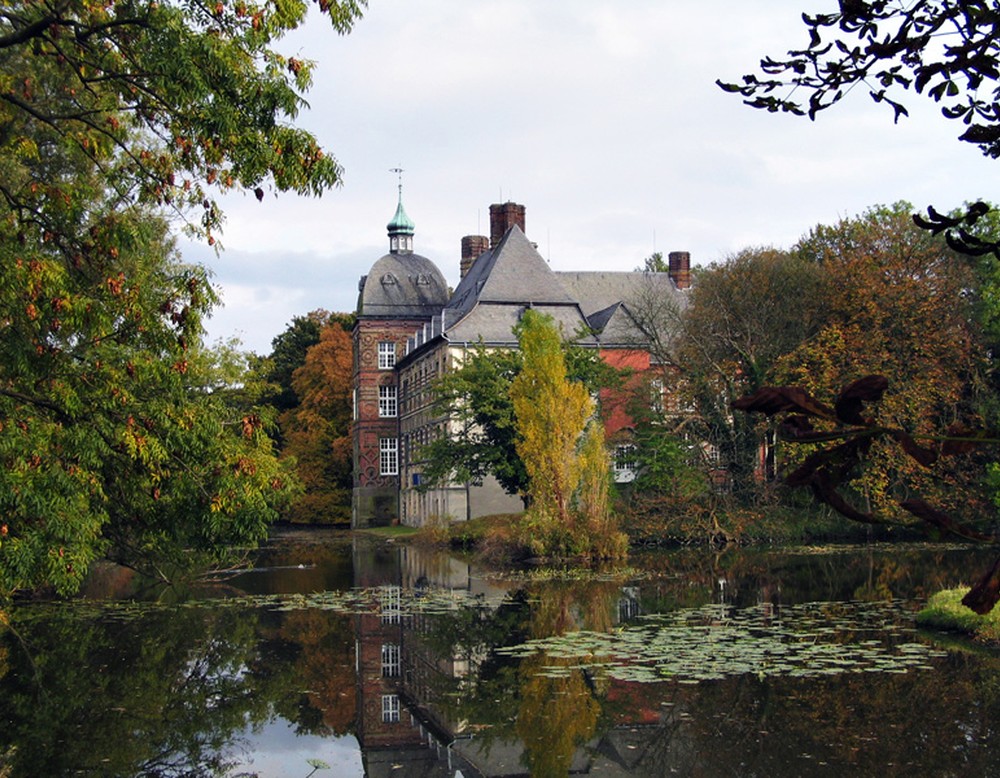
(179, 691)
(164, 692)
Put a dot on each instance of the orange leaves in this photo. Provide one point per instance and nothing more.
(115, 284)
(250, 424)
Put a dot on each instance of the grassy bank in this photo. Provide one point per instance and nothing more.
(945, 611)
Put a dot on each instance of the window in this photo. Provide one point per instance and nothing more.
(390, 707)
(624, 464)
(388, 456)
(386, 355)
(387, 401)
(390, 660)
(389, 604)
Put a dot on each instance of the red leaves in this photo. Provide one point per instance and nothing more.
(783, 399)
(853, 397)
(250, 424)
(115, 284)
(986, 593)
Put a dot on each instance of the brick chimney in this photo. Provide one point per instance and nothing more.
(503, 216)
(472, 247)
(679, 268)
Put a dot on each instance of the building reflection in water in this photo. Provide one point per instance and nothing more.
(401, 730)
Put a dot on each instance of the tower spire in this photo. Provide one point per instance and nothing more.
(400, 228)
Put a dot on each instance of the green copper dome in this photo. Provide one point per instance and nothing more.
(400, 224)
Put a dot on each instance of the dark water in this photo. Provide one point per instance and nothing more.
(342, 656)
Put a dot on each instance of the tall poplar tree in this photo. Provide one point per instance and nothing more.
(551, 413)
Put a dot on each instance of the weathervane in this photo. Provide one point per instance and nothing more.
(399, 172)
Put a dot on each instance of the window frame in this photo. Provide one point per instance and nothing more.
(388, 456)
(386, 354)
(388, 401)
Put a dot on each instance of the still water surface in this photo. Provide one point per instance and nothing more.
(344, 656)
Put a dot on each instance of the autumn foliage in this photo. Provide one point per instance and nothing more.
(317, 431)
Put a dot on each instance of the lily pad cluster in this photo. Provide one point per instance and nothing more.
(714, 642)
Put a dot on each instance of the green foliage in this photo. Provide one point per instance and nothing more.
(476, 397)
(114, 435)
(743, 315)
(654, 263)
(666, 466)
(118, 434)
(289, 349)
(127, 88)
(945, 611)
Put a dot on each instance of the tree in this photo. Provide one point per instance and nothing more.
(654, 263)
(475, 396)
(946, 49)
(124, 89)
(114, 438)
(289, 349)
(743, 314)
(551, 412)
(317, 432)
(896, 305)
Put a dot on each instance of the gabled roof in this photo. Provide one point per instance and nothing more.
(511, 272)
(611, 300)
(501, 283)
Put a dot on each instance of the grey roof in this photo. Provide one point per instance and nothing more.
(511, 272)
(611, 300)
(501, 283)
(401, 286)
(513, 276)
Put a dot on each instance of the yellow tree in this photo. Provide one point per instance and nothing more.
(551, 413)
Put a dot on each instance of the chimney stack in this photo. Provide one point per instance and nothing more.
(472, 247)
(679, 268)
(503, 216)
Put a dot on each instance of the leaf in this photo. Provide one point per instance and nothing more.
(941, 520)
(924, 456)
(824, 490)
(770, 400)
(986, 593)
(852, 398)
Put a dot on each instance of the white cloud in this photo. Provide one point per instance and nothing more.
(602, 118)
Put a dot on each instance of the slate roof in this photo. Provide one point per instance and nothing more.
(609, 300)
(513, 276)
(402, 286)
(501, 283)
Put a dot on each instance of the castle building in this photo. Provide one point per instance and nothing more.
(410, 331)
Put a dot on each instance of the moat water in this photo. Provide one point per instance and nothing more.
(340, 655)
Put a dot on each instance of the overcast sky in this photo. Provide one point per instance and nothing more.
(602, 118)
